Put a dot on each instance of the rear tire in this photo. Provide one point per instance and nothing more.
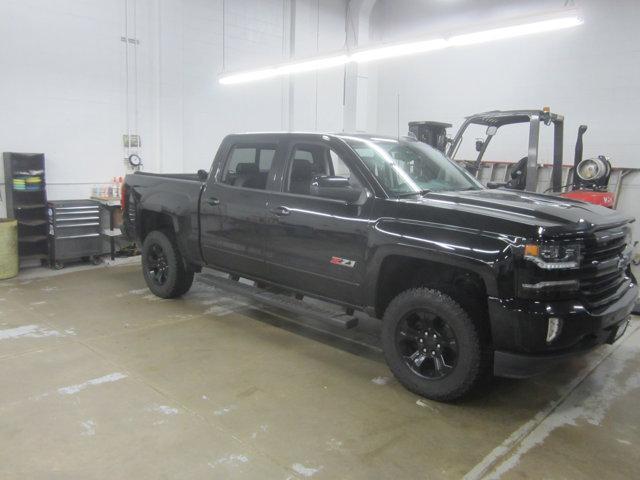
(432, 346)
(164, 269)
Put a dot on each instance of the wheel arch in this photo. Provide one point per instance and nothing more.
(151, 219)
(467, 281)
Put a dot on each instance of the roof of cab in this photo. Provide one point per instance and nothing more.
(368, 136)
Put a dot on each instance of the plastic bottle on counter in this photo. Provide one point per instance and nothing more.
(113, 188)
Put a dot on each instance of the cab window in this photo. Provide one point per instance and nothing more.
(308, 161)
(248, 166)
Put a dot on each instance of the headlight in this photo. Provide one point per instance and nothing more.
(553, 256)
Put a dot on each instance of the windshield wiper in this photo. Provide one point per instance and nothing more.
(410, 194)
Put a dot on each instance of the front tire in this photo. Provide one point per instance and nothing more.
(432, 346)
(164, 269)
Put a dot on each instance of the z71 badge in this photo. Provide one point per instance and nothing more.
(344, 262)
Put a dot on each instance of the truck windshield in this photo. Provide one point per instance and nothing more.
(409, 167)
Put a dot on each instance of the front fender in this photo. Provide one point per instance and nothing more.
(485, 253)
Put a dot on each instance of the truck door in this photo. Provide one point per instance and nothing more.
(316, 243)
(234, 207)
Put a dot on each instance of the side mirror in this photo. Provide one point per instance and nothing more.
(494, 185)
(469, 167)
(203, 175)
(337, 188)
(479, 145)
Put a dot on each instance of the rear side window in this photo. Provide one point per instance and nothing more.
(249, 166)
(266, 159)
(240, 155)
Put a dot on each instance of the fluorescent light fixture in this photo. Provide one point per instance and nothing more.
(515, 31)
(286, 69)
(312, 65)
(393, 51)
(249, 76)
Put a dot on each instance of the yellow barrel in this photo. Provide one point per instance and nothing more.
(8, 248)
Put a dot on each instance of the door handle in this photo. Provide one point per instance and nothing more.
(280, 211)
(213, 201)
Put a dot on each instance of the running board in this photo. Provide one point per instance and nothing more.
(279, 300)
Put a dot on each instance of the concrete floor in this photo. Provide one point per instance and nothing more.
(100, 379)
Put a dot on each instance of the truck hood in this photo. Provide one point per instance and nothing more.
(511, 212)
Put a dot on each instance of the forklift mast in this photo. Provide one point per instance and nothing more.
(495, 119)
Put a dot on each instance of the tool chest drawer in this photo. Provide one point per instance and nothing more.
(74, 230)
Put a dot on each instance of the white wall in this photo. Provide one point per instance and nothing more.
(63, 81)
(60, 87)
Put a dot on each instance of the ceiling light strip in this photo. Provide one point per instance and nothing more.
(404, 49)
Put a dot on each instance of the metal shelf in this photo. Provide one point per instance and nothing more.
(27, 206)
(32, 223)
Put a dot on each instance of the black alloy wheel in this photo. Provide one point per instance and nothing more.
(433, 346)
(427, 343)
(165, 271)
(157, 264)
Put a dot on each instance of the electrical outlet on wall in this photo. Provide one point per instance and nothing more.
(131, 141)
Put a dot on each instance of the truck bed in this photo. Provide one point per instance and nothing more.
(174, 195)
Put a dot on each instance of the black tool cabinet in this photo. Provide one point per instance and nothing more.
(74, 231)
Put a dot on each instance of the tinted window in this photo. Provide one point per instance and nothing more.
(266, 159)
(240, 155)
(248, 166)
(310, 161)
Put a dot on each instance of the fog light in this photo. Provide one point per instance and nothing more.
(553, 329)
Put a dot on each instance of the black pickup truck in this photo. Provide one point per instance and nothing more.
(467, 281)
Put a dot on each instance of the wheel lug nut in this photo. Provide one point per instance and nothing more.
(433, 352)
(438, 345)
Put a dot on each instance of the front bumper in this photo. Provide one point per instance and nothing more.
(519, 331)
